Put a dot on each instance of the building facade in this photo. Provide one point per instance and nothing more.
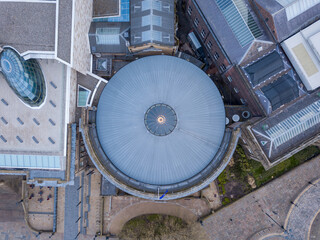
(246, 52)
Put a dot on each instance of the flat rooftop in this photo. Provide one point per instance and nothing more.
(41, 132)
(303, 50)
(28, 25)
(106, 8)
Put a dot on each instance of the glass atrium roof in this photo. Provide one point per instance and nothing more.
(160, 119)
(30, 161)
(239, 20)
(292, 126)
(24, 77)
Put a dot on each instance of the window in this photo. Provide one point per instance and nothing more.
(189, 10)
(222, 67)
(229, 78)
(196, 22)
(83, 96)
(203, 33)
(108, 36)
(236, 90)
(209, 44)
(216, 56)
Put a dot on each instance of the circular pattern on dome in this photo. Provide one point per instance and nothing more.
(160, 120)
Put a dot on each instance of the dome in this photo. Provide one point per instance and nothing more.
(160, 120)
(23, 76)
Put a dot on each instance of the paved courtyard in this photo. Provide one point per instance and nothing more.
(261, 215)
(264, 211)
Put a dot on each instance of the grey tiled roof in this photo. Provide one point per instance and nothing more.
(218, 24)
(264, 68)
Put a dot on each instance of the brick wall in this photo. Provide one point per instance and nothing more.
(205, 36)
(237, 83)
(242, 91)
(268, 19)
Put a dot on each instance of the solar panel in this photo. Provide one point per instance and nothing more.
(239, 20)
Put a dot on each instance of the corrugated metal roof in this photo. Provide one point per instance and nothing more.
(191, 145)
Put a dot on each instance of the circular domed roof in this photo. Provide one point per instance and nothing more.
(160, 120)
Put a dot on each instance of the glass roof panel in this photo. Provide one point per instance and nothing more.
(24, 77)
(295, 124)
(239, 20)
(83, 95)
(108, 36)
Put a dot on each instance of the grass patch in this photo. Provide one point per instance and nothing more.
(238, 172)
(156, 226)
(262, 177)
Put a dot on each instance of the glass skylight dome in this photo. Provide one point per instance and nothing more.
(160, 121)
(24, 77)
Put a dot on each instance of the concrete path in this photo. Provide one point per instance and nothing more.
(71, 210)
(303, 212)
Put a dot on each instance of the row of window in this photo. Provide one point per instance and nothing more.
(215, 55)
(236, 90)
(203, 34)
